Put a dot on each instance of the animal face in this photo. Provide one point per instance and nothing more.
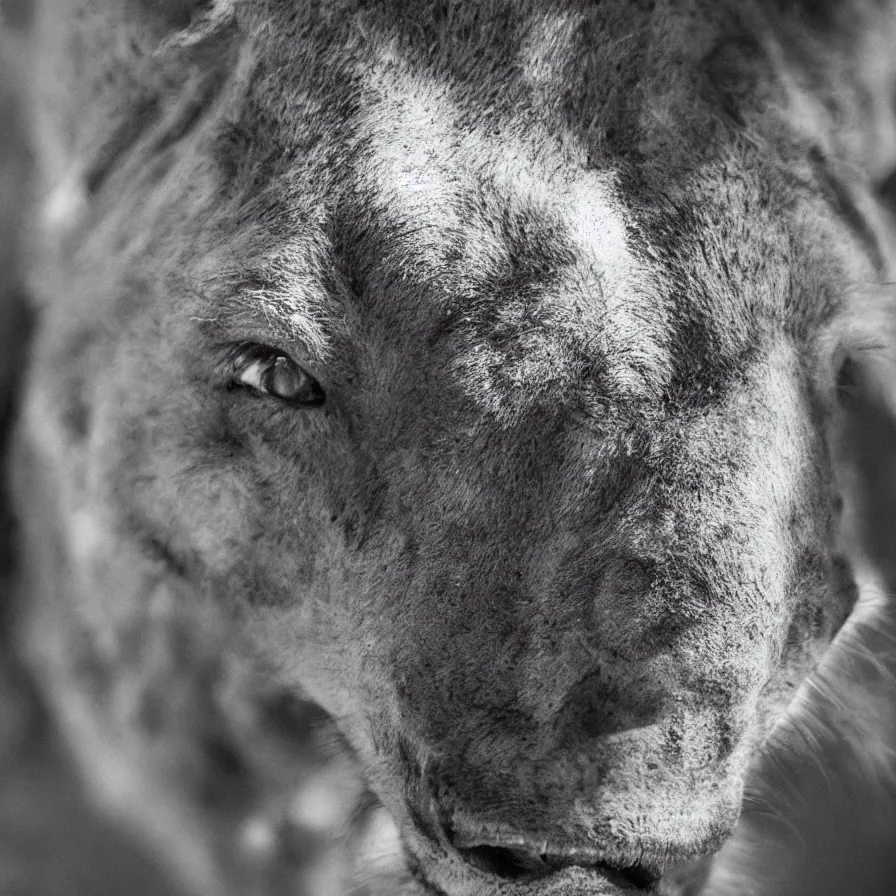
(491, 405)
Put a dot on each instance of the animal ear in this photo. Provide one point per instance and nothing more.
(99, 53)
(155, 18)
(863, 443)
(177, 20)
(108, 73)
(174, 13)
(867, 467)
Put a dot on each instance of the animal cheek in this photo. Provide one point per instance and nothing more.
(210, 516)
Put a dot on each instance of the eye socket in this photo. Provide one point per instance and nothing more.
(268, 371)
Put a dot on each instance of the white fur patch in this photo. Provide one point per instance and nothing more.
(632, 318)
(443, 186)
(416, 172)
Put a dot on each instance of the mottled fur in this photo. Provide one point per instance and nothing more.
(575, 277)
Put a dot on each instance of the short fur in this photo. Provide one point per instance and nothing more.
(575, 277)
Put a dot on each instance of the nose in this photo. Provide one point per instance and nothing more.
(517, 859)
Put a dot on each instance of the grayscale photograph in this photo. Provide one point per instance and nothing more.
(447, 447)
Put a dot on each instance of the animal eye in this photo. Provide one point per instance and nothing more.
(268, 371)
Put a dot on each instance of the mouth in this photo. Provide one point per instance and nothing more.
(448, 853)
(464, 864)
(459, 867)
(598, 880)
(526, 868)
(512, 864)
